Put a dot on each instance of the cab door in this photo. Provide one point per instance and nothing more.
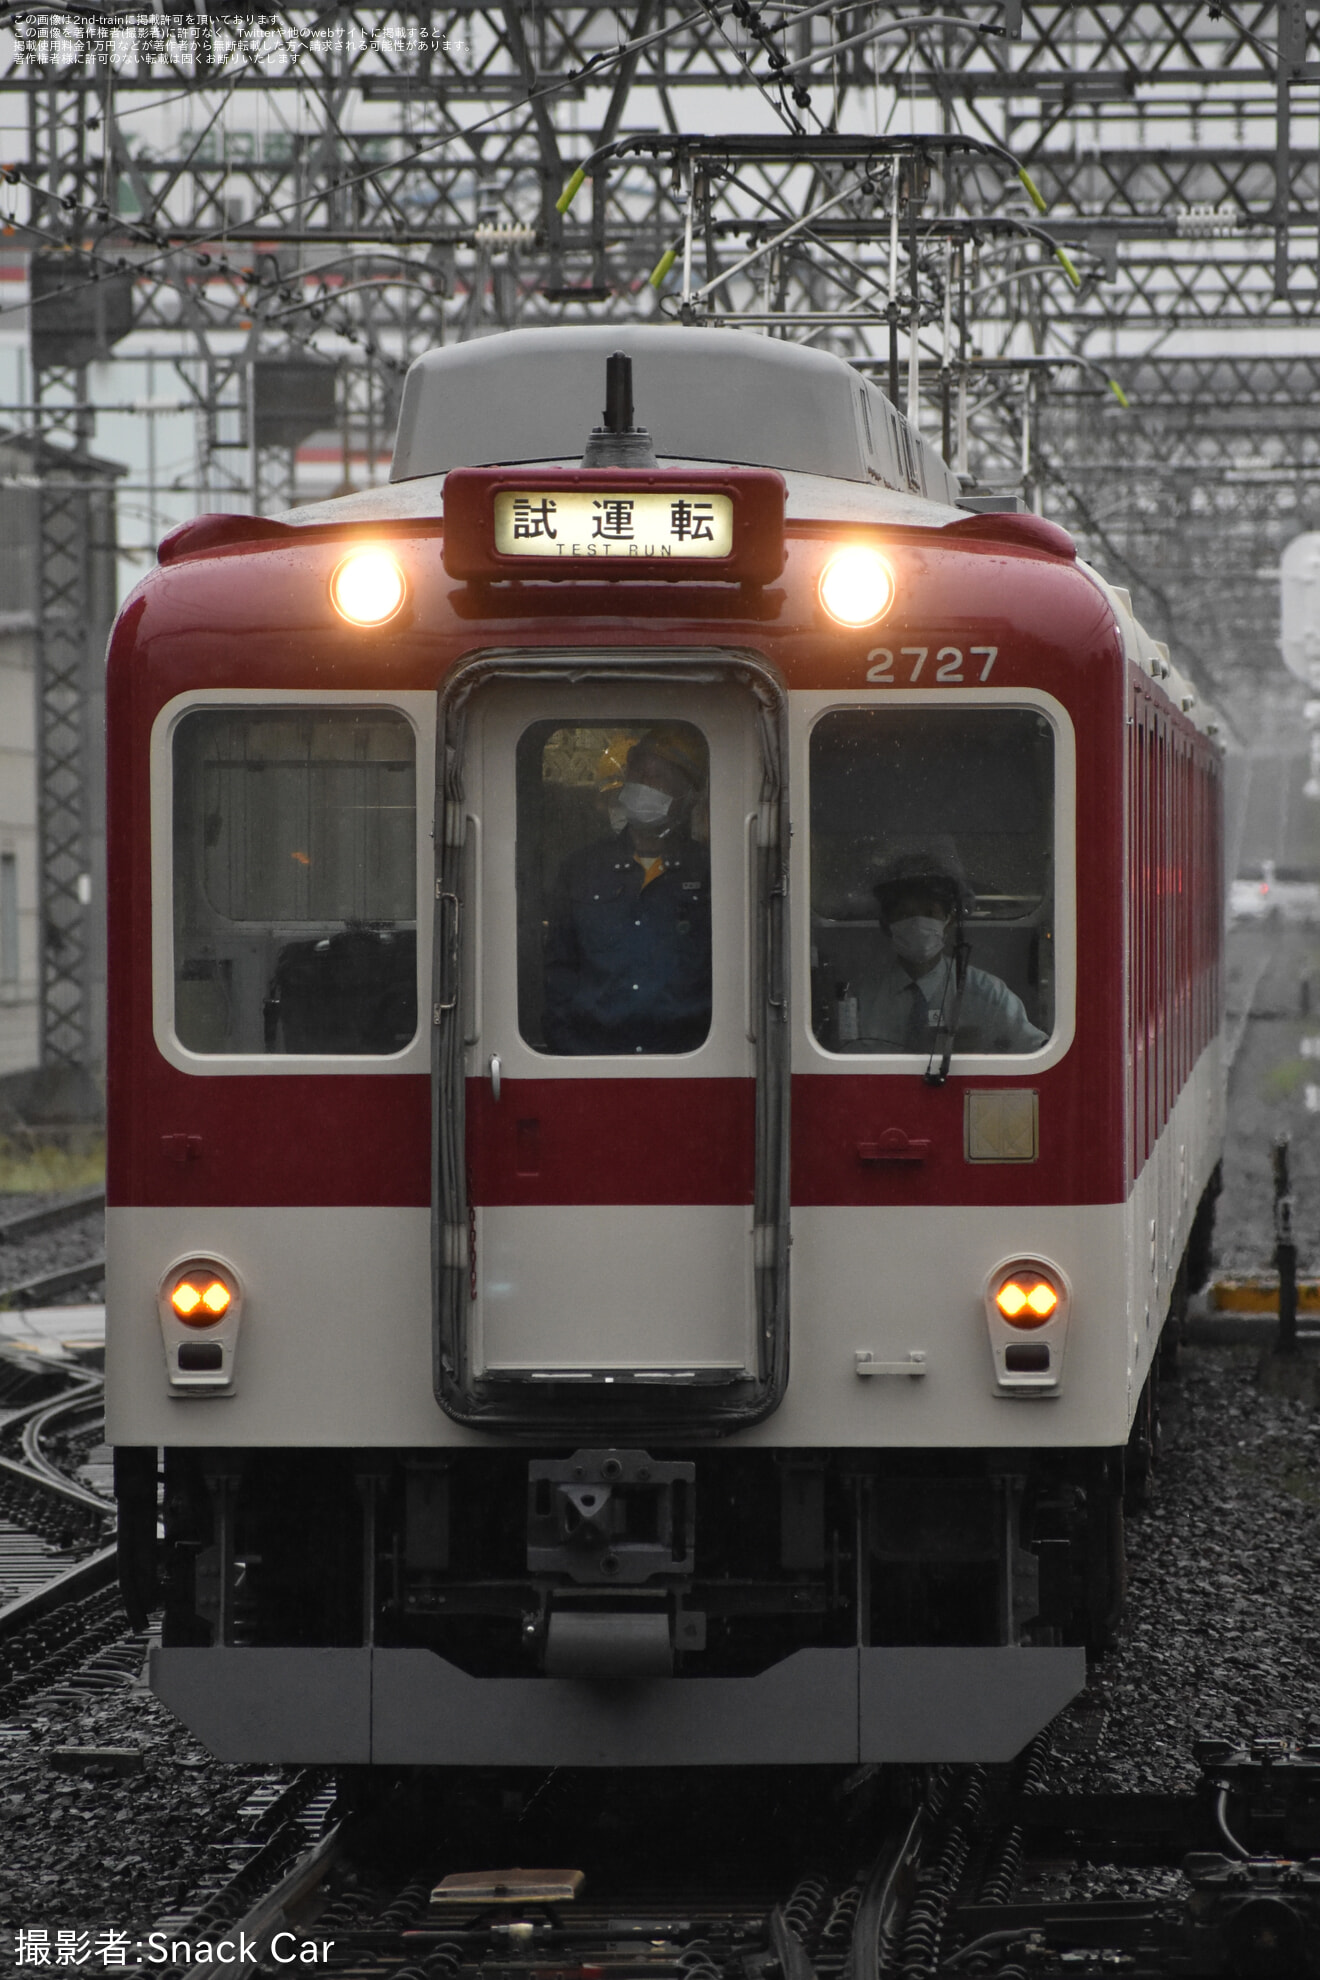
(612, 1224)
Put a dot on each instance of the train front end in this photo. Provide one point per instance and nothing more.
(628, 1202)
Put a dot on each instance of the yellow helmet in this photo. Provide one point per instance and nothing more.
(679, 744)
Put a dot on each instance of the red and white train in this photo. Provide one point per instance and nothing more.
(665, 1078)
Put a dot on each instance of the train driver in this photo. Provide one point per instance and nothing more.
(915, 999)
(627, 955)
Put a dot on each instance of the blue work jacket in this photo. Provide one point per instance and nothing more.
(627, 961)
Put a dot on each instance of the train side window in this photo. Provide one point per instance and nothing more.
(295, 881)
(613, 888)
(965, 795)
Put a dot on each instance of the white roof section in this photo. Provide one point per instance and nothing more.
(704, 395)
(1152, 655)
(810, 498)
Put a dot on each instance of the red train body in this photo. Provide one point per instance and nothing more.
(523, 1437)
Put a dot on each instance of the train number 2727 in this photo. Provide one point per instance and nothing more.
(950, 667)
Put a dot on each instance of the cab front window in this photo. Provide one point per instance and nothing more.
(932, 881)
(295, 881)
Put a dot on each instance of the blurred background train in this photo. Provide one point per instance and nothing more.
(665, 1082)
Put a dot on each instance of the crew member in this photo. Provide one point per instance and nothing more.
(627, 956)
(915, 1002)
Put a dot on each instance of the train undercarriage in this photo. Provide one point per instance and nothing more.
(605, 1562)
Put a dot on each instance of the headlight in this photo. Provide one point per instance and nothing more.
(368, 588)
(857, 586)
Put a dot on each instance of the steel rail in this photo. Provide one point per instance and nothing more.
(53, 1482)
(880, 1914)
(39, 1420)
(1241, 1019)
(274, 1912)
(36, 1473)
(83, 1578)
(63, 1279)
(47, 1215)
(87, 1380)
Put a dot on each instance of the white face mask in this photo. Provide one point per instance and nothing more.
(918, 941)
(643, 804)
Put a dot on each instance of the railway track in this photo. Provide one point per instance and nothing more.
(49, 1216)
(57, 1556)
(938, 1882)
(270, 1877)
(19, 1232)
(42, 1287)
(336, 1908)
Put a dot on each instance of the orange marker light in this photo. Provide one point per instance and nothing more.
(201, 1300)
(368, 587)
(857, 586)
(1028, 1304)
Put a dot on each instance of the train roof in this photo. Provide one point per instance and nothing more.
(522, 397)
(704, 395)
(808, 498)
(533, 396)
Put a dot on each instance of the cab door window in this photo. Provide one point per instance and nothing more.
(613, 880)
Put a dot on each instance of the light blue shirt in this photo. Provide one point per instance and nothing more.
(897, 1013)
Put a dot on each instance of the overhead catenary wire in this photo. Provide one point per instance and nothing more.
(855, 273)
(908, 24)
(776, 240)
(596, 64)
(602, 61)
(223, 304)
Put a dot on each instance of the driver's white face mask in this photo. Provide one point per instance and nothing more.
(643, 804)
(918, 940)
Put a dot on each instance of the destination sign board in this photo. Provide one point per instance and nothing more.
(569, 523)
(692, 524)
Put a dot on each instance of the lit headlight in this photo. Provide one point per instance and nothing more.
(857, 586)
(368, 588)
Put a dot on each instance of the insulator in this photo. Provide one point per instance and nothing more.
(487, 234)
